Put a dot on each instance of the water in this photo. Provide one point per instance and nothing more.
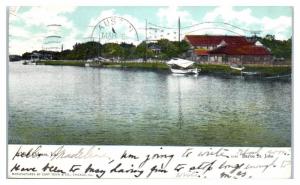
(76, 105)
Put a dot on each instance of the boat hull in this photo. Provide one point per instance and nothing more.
(185, 71)
(237, 68)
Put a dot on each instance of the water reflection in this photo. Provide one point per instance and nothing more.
(180, 116)
(74, 105)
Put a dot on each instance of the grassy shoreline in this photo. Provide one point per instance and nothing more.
(264, 70)
(62, 62)
(141, 65)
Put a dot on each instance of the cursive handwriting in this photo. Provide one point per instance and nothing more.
(62, 153)
(128, 156)
(204, 166)
(221, 152)
(31, 153)
(156, 169)
(184, 162)
(99, 172)
(250, 153)
(264, 167)
(149, 157)
(232, 167)
(52, 168)
(18, 167)
(131, 170)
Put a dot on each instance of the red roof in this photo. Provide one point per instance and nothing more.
(203, 40)
(241, 50)
(201, 52)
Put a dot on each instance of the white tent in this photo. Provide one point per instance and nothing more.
(257, 43)
(180, 62)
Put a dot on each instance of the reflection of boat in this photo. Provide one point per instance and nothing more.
(237, 67)
(250, 73)
(181, 66)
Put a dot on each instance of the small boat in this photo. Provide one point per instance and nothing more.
(181, 66)
(29, 62)
(237, 67)
(251, 73)
(279, 77)
(185, 71)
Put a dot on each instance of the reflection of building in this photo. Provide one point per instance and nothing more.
(227, 49)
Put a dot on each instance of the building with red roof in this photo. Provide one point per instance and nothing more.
(227, 49)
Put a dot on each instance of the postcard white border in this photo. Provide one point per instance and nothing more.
(3, 80)
(147, 162)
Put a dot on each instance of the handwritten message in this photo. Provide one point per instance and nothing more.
(54, 161)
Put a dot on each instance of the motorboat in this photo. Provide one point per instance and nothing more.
(182, 66)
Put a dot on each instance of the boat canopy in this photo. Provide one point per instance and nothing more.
(180, 62)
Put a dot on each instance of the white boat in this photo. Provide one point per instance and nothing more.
(185, 71)
(181, 66)
(237, 67)
(29, 62)
(250, 73)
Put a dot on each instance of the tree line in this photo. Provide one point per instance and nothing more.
(162, 49)
(279, 48)
(124, 51)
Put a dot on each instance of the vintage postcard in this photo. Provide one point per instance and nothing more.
(195, 92)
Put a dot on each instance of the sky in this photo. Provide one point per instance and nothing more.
(32, 28)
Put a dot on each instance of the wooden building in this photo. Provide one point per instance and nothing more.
(224, 49)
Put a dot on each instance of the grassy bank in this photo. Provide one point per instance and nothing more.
(143, 65)
(218, 69)
(61, 62)
(270, 70)
(262, 69)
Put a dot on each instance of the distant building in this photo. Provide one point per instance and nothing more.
(13, 58)
(155, 48)
(227, 50)
(36, 56)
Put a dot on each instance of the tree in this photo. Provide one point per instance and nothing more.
(128, 50)
(111, 50)
(270, 37)
(168, 48)
(26, 56)
(143, 51)
(279, 48)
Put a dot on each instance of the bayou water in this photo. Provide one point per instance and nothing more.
(82, 105)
